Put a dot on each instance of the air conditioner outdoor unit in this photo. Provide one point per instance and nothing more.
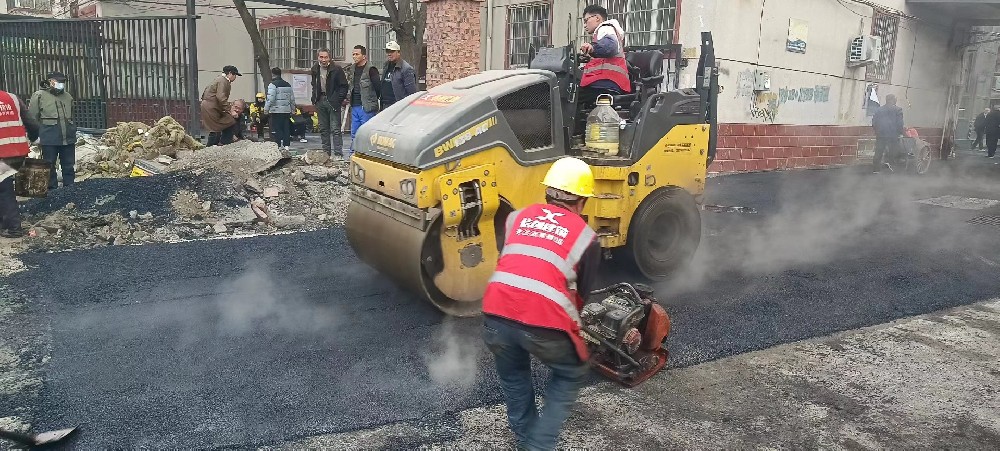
(864, 50)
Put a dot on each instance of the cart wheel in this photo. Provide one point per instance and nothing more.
(923, 159)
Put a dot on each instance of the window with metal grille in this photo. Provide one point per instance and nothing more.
(32, 5)
(885, 26)
(646, 22)
(528, 111)
(377, 36)
(528, 26)
(337, 46)
(295, 48)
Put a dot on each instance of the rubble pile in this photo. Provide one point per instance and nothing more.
(240, 189)
(112, 155)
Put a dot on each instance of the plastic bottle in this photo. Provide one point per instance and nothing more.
(602, 126)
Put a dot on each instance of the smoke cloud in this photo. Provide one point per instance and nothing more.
(454, 357)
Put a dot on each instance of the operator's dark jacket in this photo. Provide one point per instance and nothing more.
(888, 121)
(992, 125)
(980, 123)
(336, 85)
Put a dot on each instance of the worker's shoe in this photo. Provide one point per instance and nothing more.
(13, 233)
(303, 140)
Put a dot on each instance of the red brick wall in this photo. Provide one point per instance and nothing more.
(452, 38)
(764, 147)
(147, 111)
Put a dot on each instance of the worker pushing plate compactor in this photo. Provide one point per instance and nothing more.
(435, 176)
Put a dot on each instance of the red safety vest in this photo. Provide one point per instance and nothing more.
(535, 279)
(614, 68)
(13, 136)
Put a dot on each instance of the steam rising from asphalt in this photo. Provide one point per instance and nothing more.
(817, 224)
(454, 358)
(254, 301)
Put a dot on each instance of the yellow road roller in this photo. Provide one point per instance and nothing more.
(434, 176)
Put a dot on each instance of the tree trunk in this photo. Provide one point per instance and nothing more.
(263, 60)
(408, 20)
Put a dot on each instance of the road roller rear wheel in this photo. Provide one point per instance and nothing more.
(664, 233)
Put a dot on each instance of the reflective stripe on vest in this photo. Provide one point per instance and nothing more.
(539, 288)
(4, 124)
(14, 140)
(605, 66)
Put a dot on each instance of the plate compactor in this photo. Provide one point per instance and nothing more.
(626, 331)
(435, 175)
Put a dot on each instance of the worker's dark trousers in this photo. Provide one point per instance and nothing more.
(884, 144)
(330, 124)
(991, 144)
(979, 140)
(10, 217)
(67, 159)
(281, 126)
(512, 347)
(227, 136)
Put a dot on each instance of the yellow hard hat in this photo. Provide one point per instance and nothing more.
(571, 175)
(260, 95)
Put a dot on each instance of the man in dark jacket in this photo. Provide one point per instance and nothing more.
(980, 126)
(992, 130)
(329, 89)
(398, 77)
(888, 124)
(52, 108)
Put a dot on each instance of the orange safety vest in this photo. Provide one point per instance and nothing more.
(13, 136)
(614, 68)
(535, 279)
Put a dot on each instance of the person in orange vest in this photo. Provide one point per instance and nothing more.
(17, 130)
(607, 71)
(532, 303)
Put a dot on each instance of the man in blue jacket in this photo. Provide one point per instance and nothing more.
(280, 105)
(888, 124)
(398, 77)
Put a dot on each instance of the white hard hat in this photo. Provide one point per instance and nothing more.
(392, 45)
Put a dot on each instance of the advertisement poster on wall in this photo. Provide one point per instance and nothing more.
(302, 88)
(798, 34)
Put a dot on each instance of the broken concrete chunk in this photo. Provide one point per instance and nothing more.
(270, 192)
(323, 217)
(207, 205)
(220, 227)
(119, 241)
(140, 235)
(163, 159)
(253, 186)
(260, 209)
(133, 214)
(290, 221)
(147, 215)
(315, 157)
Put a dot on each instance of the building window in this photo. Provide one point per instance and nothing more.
(646, 22)
(296, 48)
(528, 27)
(30, 5)
(377, 36)
(885, 26)
(337, 46)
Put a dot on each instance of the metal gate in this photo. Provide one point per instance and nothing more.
(125, 69)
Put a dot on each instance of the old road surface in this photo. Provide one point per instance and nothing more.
(825, 308)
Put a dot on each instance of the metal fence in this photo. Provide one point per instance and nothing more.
(133, 69)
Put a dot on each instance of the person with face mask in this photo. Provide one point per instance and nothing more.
(52, 108)
(216, 112)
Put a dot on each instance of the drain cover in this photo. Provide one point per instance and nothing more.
(992, 220)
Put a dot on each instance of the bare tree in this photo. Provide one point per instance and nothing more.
(263, 60)
(408, 18)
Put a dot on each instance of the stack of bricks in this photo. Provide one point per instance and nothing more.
(452, 37)
(765, 147)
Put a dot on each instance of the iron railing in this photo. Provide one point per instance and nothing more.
(121, 69)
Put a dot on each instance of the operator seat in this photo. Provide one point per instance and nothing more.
(646, 82)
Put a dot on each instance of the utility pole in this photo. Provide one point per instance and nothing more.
(194, 123)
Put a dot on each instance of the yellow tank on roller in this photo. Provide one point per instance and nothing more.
(436, 175)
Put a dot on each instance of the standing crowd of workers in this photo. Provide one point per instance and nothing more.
(359, 87)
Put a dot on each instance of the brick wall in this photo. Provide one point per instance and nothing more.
(762, 147)
(452, 38)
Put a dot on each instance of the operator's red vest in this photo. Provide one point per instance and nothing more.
(534, 283)
(614, 68)
(13, 136)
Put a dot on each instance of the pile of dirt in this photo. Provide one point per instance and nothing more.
(240, 189)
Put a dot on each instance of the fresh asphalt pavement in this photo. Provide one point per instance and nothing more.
(265, 340)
